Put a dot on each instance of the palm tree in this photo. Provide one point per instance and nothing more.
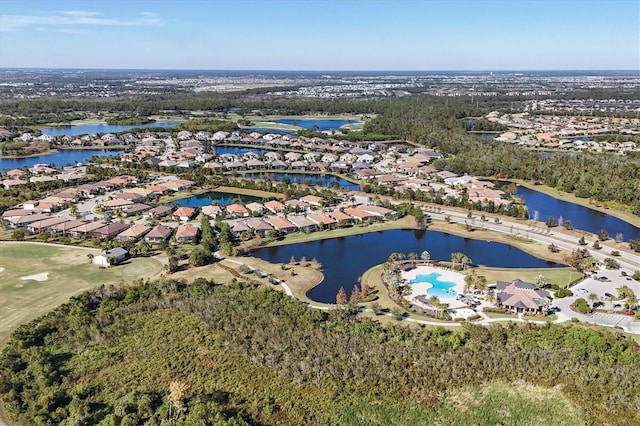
(425, 256)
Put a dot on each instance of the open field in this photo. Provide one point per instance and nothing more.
(560, 276)
(68, 273)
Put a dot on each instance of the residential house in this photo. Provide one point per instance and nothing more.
(109, 231)
(158, 234)
(281, 224)
(184, 213)
(274, 206)
(238, 210)
(260, 226)
(323, 220)
(186, 233)
(360, 215)
(134, 233)
(302, 223)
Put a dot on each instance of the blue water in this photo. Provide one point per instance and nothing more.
(300, 178)
(89, 129)
(321, 124)
(236, 150)
(344, 260)
(220, 198)
(64, 157)
(440, 288)
(581, 217)
(267, 130)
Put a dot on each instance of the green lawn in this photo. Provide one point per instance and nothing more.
(68, 273)
(560, 276)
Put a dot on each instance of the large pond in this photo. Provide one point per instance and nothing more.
(346, 259)
(301, 178)
(63, 157)
(90, 129)
(237, 150)
(220, 198)
(320, 124)
(581, 217)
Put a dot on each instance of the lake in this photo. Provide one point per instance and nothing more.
(319, 180)
(321, 124)
(345, 259)
(61, 158)
(220, 198)
(581, 217)
(90, 129)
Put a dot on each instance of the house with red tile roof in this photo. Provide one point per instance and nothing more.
(186, 233)
(281, 224)
(184, 213)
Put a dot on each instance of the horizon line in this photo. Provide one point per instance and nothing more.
(2, 68)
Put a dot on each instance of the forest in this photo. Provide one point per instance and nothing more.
(172, 352)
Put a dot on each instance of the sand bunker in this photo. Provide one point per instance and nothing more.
(36, 277)
(1, 269)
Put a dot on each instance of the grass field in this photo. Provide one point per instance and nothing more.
(68, 273)
(560, 276)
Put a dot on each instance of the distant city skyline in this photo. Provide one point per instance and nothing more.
(408, 35)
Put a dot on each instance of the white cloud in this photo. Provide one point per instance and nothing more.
(72, 18)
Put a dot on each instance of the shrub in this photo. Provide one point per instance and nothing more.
(563, 292)
(582, 306)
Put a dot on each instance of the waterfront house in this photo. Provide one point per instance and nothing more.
(360, 215)
(237, 210)
(274, 206)
(184, 213)
(260, 226)
(281, 224)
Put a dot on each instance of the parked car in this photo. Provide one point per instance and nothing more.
(608, 295)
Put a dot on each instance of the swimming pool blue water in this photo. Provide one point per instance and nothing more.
(440, 288)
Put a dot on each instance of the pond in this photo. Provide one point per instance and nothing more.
(581, 217)
(345, 259)
(301, 178)
(320, 124)
(90, 129)
(220, 198)
(63, 157)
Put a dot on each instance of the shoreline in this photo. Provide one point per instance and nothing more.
(584, 202)
(57, 150)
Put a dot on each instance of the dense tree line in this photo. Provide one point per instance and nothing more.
(199, 353)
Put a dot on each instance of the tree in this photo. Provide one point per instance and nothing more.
(177, 393)
(603, 235)
(425, 256)
(200, 256)
(568, 225)
(551, 222)
(582, 241)
(592, 297)
(553, 248)
(596, 245)
(341, 297)
(355, 295)
(610, 263)
(634, 245)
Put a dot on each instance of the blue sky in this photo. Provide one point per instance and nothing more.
(322, 35)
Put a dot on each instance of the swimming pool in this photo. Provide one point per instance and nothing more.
(439, 288)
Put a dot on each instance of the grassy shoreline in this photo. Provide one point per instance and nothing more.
(613, 209)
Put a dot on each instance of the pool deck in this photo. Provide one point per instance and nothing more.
(444, 275)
